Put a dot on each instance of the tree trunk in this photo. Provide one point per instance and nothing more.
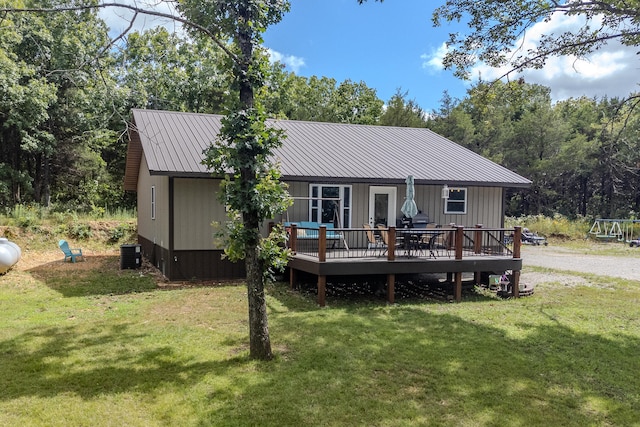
(259, 341)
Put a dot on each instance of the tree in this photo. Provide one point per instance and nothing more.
(167, 71)
(496, 27)
(355, 103)
(52, 112)
(251, 187)
(403, 113)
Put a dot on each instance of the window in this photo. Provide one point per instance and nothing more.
(153, 202)
(457, 201)
(330, 203)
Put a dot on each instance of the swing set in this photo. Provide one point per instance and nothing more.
(621, 230)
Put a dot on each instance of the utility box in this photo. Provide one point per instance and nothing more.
(130, 256)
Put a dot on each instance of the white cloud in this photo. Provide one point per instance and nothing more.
(294, 63)
(611, 71)
(433, 61)
(118, 18)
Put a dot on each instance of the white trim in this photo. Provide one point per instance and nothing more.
(153, 202)
(454, 201)
(345, 204)
(392, 192)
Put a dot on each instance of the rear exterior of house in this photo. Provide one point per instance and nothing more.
(364, 167)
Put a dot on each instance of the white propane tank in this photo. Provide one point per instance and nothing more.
(9, 254)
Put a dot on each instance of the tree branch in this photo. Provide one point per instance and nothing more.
(136, 10)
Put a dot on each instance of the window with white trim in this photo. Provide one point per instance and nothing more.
(457, 201)
(330, 203)
(153, 202)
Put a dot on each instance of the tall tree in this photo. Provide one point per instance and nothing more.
(167, 71)
(402, 112)
(252, 189)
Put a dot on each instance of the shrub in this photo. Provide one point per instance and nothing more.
(80, 231)
(558, 226)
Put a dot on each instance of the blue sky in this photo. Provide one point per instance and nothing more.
(383, 44)
(394, 45)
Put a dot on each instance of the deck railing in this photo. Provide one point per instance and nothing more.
(455, 242)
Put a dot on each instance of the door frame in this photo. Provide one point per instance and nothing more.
(392, 192)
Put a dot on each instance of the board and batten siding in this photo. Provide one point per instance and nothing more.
(484, 204)
(196, 207)
(155, 230)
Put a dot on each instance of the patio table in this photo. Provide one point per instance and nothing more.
(414, 239)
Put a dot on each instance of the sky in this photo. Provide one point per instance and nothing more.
(393, 45)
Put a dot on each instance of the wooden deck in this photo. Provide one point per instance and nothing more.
(472, 250)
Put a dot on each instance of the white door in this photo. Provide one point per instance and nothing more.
(382, 205)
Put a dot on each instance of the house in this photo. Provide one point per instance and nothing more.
(347, 174)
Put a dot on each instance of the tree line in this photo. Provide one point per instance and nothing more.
(66, 90)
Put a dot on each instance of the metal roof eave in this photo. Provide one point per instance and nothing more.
(349, 180)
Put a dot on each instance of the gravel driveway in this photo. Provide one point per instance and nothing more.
(565, 259)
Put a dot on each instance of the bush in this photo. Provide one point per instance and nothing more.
(558, 226)
(80, 231)
(120, 232)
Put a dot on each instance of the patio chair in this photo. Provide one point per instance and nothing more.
(384, 234)
(69, 253)
(373, 241)
(442, 244)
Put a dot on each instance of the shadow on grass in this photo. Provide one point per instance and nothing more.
(407, 366)
(69, 360)
(343, 291)
(97, 275)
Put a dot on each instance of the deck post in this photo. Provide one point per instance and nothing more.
(293, 238)
(322, 289)
(516, 284)
(293, 277)
(391, 286)
(322, 243)
(457, 287)
(391, 246)
(459, 240)
(477, 239)
(477, 248)
(517, 243)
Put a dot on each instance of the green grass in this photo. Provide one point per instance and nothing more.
(102, 347)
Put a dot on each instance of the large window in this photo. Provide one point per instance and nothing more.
(457, 201)
(330, 204)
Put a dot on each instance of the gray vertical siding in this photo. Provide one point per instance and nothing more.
(484, 205)
(196, 207)
(156, 231)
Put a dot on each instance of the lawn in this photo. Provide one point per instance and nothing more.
(89, 345)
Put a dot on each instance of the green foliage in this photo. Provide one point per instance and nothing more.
(557, 226)
(80, 231)
(495, 28)
(286, 95)
(400, 112)
(122, 232)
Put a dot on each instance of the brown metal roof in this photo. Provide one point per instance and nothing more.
(173, 144)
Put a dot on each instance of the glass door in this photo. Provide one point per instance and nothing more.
(382, 205)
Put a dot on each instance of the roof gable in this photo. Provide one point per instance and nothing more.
(173, 144)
